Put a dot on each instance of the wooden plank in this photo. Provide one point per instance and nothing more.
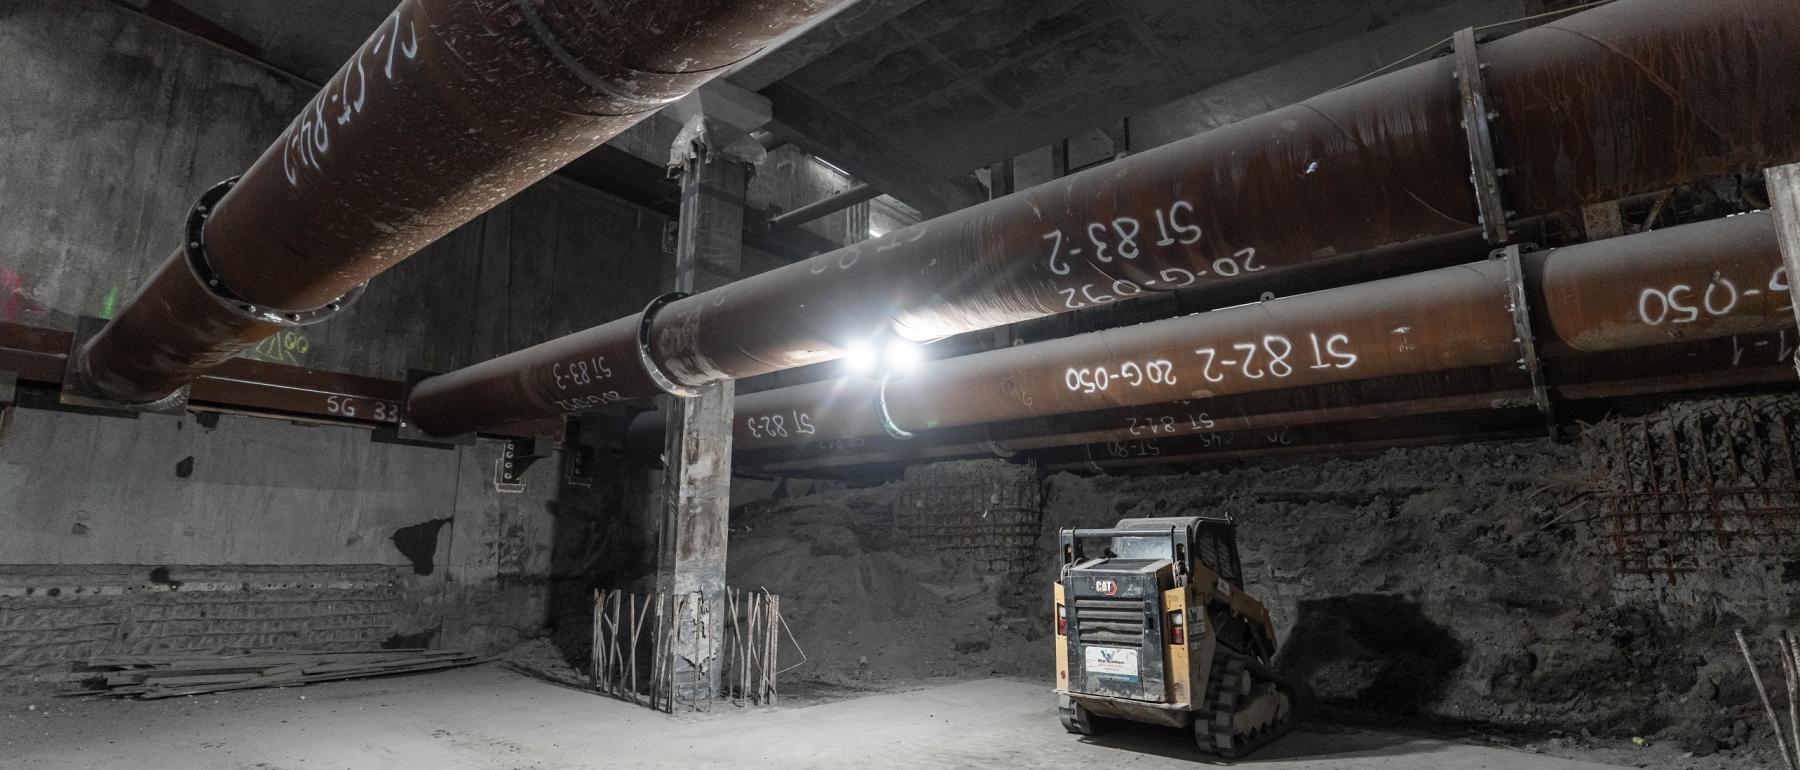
(292, 678)
(181, 671)
(377, 665)
(205, 679)
(389, 671)
(251, 684)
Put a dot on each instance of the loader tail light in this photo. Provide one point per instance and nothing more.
(1062, 621)
(1177, 627)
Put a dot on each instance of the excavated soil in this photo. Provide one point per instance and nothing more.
(1474, 588)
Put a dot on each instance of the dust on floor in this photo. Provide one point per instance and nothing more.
(490, 717)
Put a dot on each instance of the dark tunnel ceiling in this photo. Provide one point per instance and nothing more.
(955, 84)
(958, 83)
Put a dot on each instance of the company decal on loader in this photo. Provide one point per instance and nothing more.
(1112, 661)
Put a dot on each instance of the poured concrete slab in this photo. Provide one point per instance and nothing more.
(491, 717)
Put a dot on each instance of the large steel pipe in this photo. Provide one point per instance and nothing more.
(1624, 99)
(1387, 398)
(1280, 421)
(449, 108)
(1698, 281)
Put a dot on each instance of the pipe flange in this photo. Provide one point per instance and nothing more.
(887, 418)
(1519, 304)
(194, 249)
(1484, 169)
(663, 381)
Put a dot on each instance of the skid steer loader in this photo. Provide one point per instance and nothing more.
(1156, 627)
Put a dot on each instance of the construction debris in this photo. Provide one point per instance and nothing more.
(150, 677)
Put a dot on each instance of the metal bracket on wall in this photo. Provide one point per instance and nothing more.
(1484, 172)
(79, 392)
(1520, 307)
(514, 460)
(578, 458)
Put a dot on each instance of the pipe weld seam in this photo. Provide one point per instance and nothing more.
(193, 249)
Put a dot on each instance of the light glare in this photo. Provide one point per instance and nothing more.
(902, 356)
(859, 358)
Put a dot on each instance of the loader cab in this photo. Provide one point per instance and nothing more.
(1210, 540)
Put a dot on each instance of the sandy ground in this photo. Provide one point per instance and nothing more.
(489, 717)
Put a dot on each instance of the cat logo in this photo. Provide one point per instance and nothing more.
(1108, 587)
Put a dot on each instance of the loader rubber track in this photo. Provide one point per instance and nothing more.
(1215, 730)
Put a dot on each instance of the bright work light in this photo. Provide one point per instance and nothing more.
(860, 359)
(901, 357)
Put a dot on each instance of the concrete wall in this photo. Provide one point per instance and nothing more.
(112, 125)
(158, 533)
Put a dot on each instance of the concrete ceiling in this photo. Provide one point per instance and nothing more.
(958, 84)
(947, 85)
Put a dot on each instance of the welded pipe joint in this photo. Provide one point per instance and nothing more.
(888, 424)
(657, 374)
(193, 249)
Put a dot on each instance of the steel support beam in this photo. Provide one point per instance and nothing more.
(248, 387)
(1628, 98)
(449, 108)
(858, 193)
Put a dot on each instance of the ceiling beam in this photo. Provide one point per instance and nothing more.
(821, 132)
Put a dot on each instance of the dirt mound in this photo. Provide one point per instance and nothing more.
(871, 607)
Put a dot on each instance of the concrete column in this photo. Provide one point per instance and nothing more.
(1784, 198)
(714, 160)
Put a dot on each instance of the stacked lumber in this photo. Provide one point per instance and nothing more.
(149, 677)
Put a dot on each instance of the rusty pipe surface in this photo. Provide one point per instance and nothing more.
(1697, 281)
(1594, 107)
(1628, 98)
(449, 108)
(1280, 421)
(1705, 280)
(1388, 398)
